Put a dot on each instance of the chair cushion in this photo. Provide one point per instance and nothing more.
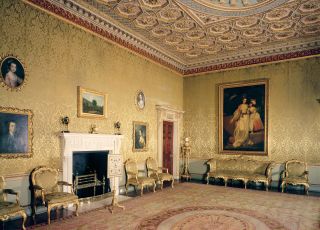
(8, 207)
(145, 180)
(58, 197)
(165, 176)
(296, 180)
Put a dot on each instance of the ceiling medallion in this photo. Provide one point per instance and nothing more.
(173, 39)
(285, 35)
(129, 10)
(161, 32)
(213, 49)
(193, 53)
(184, 47)
(153, 4)
(281, 26)
(219, 29)
(146, 21)
(247, 22)
(205, 43)
(310, 6)
(184, 25)
(258, 40)
(195, 35)
(170, 15)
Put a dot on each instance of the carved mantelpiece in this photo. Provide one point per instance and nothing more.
(72, 142)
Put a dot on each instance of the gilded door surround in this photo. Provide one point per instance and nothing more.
(192, 41)
(166, 113)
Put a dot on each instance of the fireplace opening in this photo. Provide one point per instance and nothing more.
(90, 173)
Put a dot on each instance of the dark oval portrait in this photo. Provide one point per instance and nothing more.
(12, 72)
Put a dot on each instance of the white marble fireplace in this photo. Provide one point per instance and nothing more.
(84, 142)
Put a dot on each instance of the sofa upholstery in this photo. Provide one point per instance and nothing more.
(240, 169)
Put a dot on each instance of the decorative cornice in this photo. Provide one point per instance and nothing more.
(253, 62)
(73, 13)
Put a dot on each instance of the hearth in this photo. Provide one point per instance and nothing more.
(90, 173)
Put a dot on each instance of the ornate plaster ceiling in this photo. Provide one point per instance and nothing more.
(194, 36)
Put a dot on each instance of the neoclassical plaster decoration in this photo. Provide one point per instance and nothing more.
(196, 36)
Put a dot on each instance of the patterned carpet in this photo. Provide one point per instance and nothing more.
(197, 206)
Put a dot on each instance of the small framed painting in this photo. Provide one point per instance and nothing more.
(140, 136)
(13, 74)
(16, 133)
(140, 100)
(243, 117)
(92, 104)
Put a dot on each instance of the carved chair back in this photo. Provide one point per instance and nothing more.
(47, 178)
(152, 166)
(131, 168)
(295, 168)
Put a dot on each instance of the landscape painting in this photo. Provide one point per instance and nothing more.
(91, 104)
(243, 117)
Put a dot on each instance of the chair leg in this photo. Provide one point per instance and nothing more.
(172, 183)
(126, 189)
(34, 213)
(24, 219)
(77, 208)
(267, 186)
(225, 182)
(307, 190)
(141, 190)
(207, 179)
(49, 212)
(245, 184)
(154, 186)
(282, 186)
(161, 185)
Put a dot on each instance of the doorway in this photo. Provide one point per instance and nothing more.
(168, 145)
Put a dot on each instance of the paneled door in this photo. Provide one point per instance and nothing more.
(168, 145)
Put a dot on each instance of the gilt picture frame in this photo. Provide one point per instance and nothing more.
(92, 104)
(140, 136)
(16, 132)
(243, 117)
(13, 72)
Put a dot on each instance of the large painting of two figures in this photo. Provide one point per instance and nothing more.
(243, 117)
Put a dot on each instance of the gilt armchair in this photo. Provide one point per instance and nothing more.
(133, 178)
(47, 189)
(295, 173)
(10, 209)
(157, 173)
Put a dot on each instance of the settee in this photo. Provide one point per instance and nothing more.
(240, 169)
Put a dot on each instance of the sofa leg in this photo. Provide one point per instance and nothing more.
(282, 186)
(225, 182)
(267, 186)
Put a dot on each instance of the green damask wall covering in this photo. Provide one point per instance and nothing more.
(294, 113)
(59, 57)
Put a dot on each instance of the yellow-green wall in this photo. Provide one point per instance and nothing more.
(294, 113)
(59, 57)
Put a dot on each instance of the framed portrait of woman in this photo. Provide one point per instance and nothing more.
(140, 100)
(140, 136)
(13, 74)
(243, 118)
